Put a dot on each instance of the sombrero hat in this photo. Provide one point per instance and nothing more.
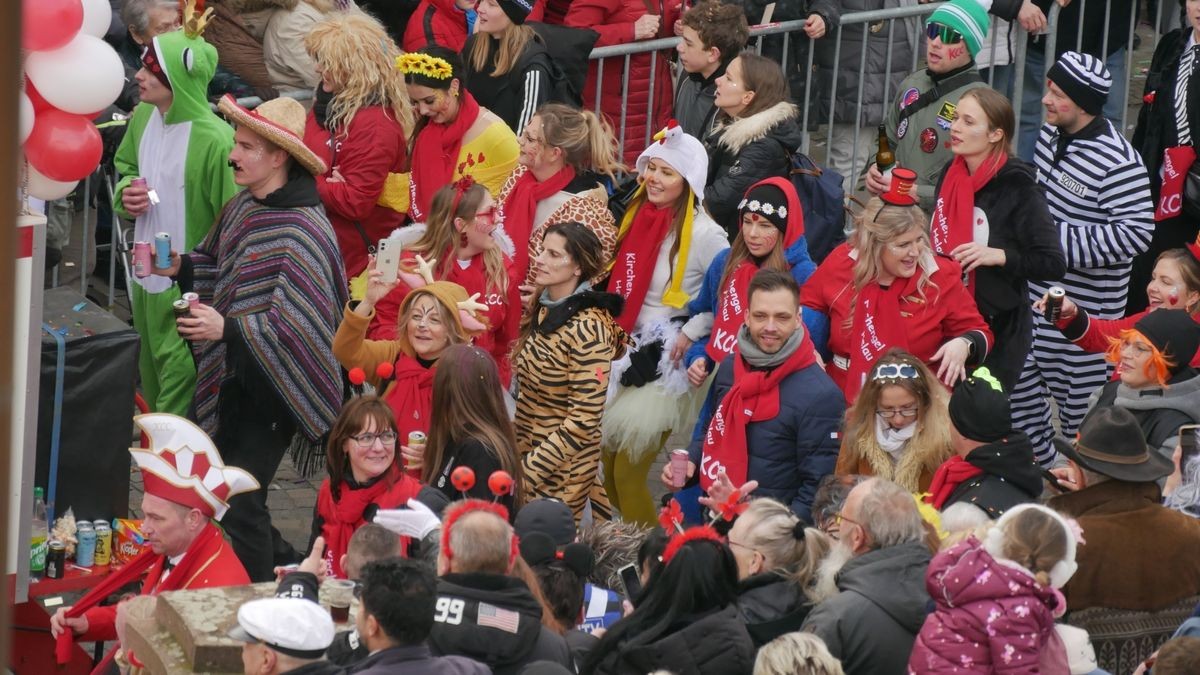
(280, 121)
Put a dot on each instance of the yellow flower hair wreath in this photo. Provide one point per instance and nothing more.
(424, 65)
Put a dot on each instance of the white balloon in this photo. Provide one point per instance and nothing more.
(83, 78)
(97, 15)
(25, 126)
(46, 188)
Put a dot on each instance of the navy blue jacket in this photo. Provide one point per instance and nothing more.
(792, 452)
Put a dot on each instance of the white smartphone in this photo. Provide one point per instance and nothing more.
(387, 260)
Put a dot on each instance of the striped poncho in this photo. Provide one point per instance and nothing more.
(273, 269)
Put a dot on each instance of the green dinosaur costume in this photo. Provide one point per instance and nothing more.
(183, 156)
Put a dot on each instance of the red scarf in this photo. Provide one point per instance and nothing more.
(199, 555)
(952, 473)
(953, 222)
(877, 327)
(520, 209)
(730, 312)
(754, 397)
(1177, 161)
(411, 396)
(344, 516)
(636, 257)
(435, 154)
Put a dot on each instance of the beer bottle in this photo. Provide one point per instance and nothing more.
(884, 158)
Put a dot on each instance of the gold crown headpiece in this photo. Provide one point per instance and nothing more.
(194, 16)
(425, 65)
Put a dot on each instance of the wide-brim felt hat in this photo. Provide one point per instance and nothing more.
(281, 121)
(1111, 442)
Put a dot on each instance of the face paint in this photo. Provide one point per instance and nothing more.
(1173, 296)
(955, 52)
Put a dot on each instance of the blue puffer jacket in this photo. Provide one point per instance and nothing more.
(792, 452)
(706, 300)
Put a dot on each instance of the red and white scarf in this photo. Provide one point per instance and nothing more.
(636, 257)
(953, 222)
(877, 327)
(731, 309)
(754, 397)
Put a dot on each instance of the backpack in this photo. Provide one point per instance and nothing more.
(824, 203)
(569, 49)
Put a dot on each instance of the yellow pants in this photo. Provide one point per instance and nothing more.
(625, 482)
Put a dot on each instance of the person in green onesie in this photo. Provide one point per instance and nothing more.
(181, 148)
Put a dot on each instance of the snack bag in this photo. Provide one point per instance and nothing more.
(128, 541)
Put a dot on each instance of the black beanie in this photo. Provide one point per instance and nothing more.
(1174, 333)
(768, 201)
(517, 10)
(979, 408)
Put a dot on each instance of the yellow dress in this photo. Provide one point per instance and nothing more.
(488, 138)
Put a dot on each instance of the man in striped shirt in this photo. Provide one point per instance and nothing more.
(1099, 195)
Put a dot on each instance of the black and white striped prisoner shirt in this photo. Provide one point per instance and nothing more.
(1099, 196)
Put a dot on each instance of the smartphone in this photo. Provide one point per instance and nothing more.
(631, 580)
(1189, 442)
(387, 260)
(1053, 481)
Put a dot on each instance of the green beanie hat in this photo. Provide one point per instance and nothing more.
(968, 17)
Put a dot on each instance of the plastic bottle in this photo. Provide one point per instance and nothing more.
(38, 533)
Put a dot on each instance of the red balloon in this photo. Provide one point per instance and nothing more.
(35, 97)
(463, 478)
(50, 24)
(62, 146)
(500, 483)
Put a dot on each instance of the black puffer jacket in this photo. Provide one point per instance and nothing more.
(771, 605)
(1010, 476)
(743, 151)
(1016, 219)
(713, 644)
(475, 619)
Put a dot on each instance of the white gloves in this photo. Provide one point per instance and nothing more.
(416, 521)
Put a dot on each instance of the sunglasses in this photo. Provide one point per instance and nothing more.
(895, 371)
(948, 35)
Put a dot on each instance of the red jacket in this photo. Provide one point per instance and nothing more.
(215, 565)
(503, 313)
(373, 146)
(948, 310)
(1093, 335)
(613, 20)
(440, 22)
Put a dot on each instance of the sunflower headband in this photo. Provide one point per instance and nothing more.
(424, 65)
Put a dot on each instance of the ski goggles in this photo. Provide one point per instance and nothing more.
(948, 35)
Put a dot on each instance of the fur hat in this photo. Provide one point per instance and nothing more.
(683, 152)
(1062, 570)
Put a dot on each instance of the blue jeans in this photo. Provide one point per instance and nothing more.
(1034, 87)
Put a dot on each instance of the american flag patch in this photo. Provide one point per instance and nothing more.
(495, 617)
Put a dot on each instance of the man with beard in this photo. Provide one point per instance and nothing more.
(879, 566)
(993, 467)
(777, 413)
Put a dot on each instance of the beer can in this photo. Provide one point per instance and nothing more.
(162, 250)
(85, 548)
(416, 438)
(103, 543)
(679, 462)
(193, 299)
(56, 560)
(182, 308)
(141, 259)
(139, 183)
(1054, 303)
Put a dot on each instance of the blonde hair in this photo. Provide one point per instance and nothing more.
(933, 417)
(586, 140)
(1035, 540)
(510, 44)
(357, 53)
(441, 240)
(772, 533)
(876, 226)
(796, 654)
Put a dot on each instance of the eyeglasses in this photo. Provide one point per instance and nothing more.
(907, 413)
(738, 543)
(895, 371)
(948, 35)
(367, 439)
(839, 517)
(484, 220)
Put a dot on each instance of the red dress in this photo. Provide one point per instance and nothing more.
(947, 311)
(364, 154)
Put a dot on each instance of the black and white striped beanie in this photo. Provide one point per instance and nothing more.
(1084, 78)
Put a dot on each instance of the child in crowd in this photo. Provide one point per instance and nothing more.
(712, 34)
(997, 599)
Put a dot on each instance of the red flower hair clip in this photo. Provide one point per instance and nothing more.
(460, 188)
(694, 534)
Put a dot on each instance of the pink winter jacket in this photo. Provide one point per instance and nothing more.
(991, 617)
